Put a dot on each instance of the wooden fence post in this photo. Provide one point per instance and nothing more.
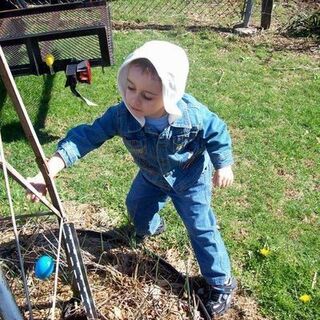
(266, 13)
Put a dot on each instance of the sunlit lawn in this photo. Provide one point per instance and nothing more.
(270, 100)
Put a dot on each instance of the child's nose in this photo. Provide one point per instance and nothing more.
(136, 101)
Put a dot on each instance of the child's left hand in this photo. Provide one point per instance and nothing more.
(223, 177)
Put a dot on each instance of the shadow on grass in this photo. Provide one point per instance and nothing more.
(13, 131)
(3, 99)
(167, 27)
(297, 43)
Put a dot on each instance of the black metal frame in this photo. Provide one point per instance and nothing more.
(50, 8)
(36, 65)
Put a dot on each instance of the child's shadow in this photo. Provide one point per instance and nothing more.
(119, 247)
(134, 261)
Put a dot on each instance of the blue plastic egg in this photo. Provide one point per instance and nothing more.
(44, 267)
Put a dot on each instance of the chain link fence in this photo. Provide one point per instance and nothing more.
(217, 13)
(214, 13)
(209, 13)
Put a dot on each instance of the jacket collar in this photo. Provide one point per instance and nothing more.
(182, 122)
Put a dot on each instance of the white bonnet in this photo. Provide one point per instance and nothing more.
(172, 66)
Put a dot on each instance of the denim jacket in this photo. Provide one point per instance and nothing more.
(174, 158)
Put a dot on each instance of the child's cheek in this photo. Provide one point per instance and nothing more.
(128, 97)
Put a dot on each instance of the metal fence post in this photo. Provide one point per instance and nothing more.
(8, 307)
(266, 12)
(247, 12)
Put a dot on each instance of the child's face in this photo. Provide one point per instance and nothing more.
(144, 93)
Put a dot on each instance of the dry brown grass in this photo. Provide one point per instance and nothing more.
(127, 281)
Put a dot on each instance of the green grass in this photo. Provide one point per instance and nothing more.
(270, 100)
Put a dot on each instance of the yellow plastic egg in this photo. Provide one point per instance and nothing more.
(49, 59)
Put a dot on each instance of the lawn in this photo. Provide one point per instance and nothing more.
(270, 99)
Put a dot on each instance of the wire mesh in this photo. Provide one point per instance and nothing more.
(178, 12)
(63, 20)
(27, 3)
(212, 13)
(182, 12)
(76, 48)
(16, 54)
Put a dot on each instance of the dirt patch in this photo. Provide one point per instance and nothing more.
(128, 281)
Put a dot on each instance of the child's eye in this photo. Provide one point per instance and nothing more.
(130, 88)
(147, 98)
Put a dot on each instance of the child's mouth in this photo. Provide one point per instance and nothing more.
(135, 109)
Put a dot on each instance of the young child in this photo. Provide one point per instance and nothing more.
(176, 143)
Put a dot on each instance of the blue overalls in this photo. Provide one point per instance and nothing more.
(176, 163)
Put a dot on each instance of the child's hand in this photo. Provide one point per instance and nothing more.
(55, 165)
(223, 177)
(39, 184)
